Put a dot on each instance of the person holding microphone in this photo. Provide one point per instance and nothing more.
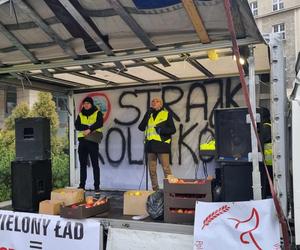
(159, 127)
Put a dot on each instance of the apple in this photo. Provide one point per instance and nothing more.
(180, 211)
(172, 178)
(89, 200)
(210, 178)
(180, 181)
(100, 201)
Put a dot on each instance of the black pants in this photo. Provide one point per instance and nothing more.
(85, 149)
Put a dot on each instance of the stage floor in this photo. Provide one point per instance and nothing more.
(116, 203)
(115, 212)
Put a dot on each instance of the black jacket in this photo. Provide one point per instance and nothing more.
(164, 129)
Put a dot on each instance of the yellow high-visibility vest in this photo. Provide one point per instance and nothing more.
(268, 152)
(150, 132)
(211, 145)
(88, 120)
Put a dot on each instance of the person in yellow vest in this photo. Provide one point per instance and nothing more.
(266, 140)
(159, 126)
(266, 135)
(90, 119)
(268, 152)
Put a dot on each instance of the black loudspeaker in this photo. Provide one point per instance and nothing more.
(31, 183)
(236, 182)
(32, 139)
(233, 135)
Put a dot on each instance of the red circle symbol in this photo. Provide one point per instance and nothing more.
(101, 101)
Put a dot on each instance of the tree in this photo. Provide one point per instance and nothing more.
(44, 107)
(20, 111)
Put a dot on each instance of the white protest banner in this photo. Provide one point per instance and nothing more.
(22, 231)
(121, 152)
(236, 225)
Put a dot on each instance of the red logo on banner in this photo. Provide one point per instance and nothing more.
(214, 215)
(6, 248)
(102, 102)
(255, 215)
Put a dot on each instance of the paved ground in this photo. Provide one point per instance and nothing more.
(4, 204)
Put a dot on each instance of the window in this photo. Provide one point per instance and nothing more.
(11, 101)
(254, 9)
(61, 103)
(277, 5)
(279, 28)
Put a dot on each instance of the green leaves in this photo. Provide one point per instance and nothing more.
(44, 107)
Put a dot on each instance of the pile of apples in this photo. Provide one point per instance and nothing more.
(135, 193)
(172, 179)
(182, 211)
(90, 201)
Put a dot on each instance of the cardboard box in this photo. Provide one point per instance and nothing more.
(50, 207)
(135, 202)
(81, 212)
(68, 196)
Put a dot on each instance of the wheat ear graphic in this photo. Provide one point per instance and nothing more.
(214, 215)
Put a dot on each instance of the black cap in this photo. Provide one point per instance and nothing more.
(88, 99)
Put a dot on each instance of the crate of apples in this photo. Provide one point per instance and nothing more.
(182, 211)
(90, 208)
(90, 201)
(181, 181)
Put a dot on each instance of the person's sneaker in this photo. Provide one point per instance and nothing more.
(97, 193)
(81, 187)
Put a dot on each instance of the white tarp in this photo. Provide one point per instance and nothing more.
(236, 225)
(121, 239)
(296, 162)
(37, 231)
(121, 150)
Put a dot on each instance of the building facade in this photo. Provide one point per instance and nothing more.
(11, 96)
(281, 16)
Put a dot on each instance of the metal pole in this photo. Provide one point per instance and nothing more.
(72, 149)
(278, 118)
(101, 237)
(254, 156)
(147, 174)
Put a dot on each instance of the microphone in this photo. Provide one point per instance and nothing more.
(150, 110)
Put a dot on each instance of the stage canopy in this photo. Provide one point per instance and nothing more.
(75, 44)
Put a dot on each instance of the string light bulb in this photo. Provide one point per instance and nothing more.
(242, 60)
(213, 55)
